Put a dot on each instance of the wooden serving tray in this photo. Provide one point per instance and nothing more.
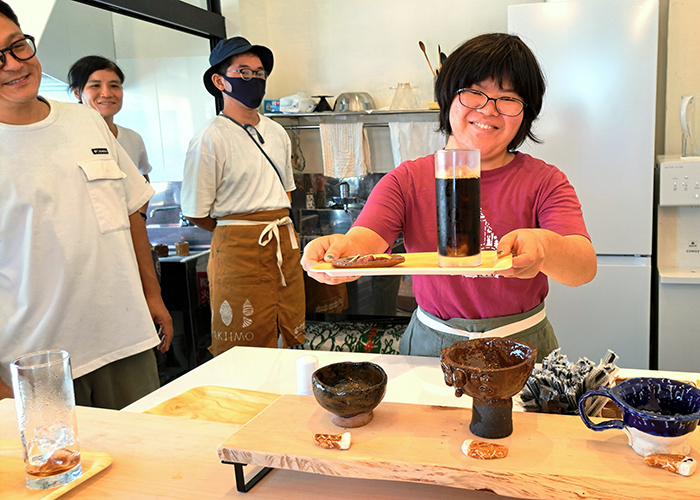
(216, 404)
(550, 457)
(423, 263)
(12, 483)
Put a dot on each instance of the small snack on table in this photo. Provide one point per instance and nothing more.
(376, 260)
(483, 450)
(333, 441)
(182, 248)
(162, 250)
(680, 464)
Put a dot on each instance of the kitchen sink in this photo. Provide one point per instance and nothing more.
(165, 224)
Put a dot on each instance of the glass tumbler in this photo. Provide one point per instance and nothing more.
(45, 405)
(458, 199)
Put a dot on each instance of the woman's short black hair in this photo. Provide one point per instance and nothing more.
(81, 70)
(7, 11)
(502, 58)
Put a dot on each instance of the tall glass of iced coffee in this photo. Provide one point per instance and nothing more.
(45, 405)
(458, 197)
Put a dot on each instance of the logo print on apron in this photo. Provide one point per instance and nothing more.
(226, 313)
(247, 311)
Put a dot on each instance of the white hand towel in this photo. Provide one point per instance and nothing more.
(411, 140)
(345, 149)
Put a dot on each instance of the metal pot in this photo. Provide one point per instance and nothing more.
(354, 101)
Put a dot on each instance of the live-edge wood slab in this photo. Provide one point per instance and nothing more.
(550, 456)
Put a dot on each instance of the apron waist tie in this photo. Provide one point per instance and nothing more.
(270, 230)
(501, 331)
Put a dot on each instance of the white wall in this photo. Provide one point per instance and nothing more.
(335, 46)
(33, 15)
(164, 98)
(57, 47)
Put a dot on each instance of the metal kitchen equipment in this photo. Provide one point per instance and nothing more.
(354, 101)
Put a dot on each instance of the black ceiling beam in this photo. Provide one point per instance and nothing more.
(173, 14)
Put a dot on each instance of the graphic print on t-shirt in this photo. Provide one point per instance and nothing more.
(489, 239)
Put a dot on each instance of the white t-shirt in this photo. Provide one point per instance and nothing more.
(133, 144)
(68, 273)
(226, 173)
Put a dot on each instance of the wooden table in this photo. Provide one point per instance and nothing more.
(175, 458)
(412, 379)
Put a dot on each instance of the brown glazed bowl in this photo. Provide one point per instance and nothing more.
(350, 391)
(491, 370)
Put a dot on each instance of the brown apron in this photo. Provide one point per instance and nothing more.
(322, 298)
(256, 283)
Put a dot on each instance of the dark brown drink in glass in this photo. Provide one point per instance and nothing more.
(458, 200)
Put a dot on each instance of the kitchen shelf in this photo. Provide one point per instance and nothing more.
(371, 119)
(679, 275)
(373, 112)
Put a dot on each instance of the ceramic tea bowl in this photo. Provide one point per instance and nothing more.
(491, 371)
(658, 414)
(350, 391)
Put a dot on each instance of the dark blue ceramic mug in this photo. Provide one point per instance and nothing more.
(658, 414)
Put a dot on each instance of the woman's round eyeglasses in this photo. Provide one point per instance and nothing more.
(22, 50)
(475, 99)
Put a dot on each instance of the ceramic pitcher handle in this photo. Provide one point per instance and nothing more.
(608, 424)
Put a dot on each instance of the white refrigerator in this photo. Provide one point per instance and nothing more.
(599, 58)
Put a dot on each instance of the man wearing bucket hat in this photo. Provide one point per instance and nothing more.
(236, 181)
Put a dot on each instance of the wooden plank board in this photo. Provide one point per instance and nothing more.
(422, 263)
(12, 473)
(216, 404)
(550, 457)
(158, 457)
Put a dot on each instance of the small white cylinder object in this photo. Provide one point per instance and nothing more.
(306, 366)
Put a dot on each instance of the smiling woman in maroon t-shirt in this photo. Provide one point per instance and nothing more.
(490, 92)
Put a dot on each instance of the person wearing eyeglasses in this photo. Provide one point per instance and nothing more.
(75, 263)
(237, 177)
(490, 91)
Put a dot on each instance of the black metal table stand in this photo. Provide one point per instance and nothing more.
(241, 485)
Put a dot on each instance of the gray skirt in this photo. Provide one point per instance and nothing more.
(421, 340)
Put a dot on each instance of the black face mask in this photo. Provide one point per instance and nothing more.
(250, 93)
